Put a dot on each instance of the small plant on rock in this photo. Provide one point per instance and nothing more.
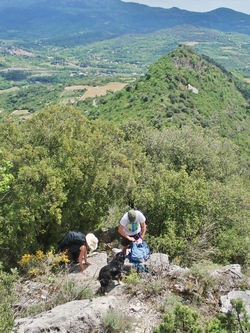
(115, 322)
(170, 302)
(204, 281)
(153, 285)
(132, 281)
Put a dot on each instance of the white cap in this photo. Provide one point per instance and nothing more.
(92, 241)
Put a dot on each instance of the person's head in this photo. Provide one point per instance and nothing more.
(92, 241)
(131, 215)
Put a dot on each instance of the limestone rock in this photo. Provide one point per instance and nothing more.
(233, 295)
(76, 316)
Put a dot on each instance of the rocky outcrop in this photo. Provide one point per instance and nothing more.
(140, 304)
(76, 316)
(193, 89)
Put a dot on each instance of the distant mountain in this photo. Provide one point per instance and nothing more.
(96, 20)
(182, 88)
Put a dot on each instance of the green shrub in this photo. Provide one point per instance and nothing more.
(170, 302)
(133, 278)
(182, 320)
(7, 301)
(42, 264)
(153, 285)
(133, 282)
(205, 282)
(115, 322)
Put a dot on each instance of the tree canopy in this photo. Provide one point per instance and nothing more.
(67, 172)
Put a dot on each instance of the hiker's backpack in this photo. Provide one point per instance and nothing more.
(71, 238)
(139, 252)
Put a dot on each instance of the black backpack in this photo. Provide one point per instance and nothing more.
(71, 238)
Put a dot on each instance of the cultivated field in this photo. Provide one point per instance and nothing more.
(84, 92)
(22, 114)
(9, 90)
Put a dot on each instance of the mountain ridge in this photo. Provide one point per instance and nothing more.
(49, 19)
(182, 88)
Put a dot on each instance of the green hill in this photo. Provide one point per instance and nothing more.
(170, 147)
(181, 88)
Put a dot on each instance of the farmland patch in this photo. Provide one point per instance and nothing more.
(75, 93)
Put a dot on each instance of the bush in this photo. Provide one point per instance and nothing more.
(115, 322)
(41, 264)
(7, 300)
(184, 319)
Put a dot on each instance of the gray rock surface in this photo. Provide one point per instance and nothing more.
(139, 303)
(234, 295)
(85, 315)
(76, 316)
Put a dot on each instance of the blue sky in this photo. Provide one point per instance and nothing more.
(242, 6)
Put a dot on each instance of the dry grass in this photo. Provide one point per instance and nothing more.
(93, 92)
(9, 90)
(23, 114)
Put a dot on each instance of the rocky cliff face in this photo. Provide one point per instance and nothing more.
(140, 304)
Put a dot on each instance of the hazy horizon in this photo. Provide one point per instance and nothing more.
(242, 6)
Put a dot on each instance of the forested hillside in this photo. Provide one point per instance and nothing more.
(59, 22)
(182, 88)
(49, 45)
(174, 144)
(60, 171)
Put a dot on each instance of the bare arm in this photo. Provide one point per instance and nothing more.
(143, 229)
(83, 254)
